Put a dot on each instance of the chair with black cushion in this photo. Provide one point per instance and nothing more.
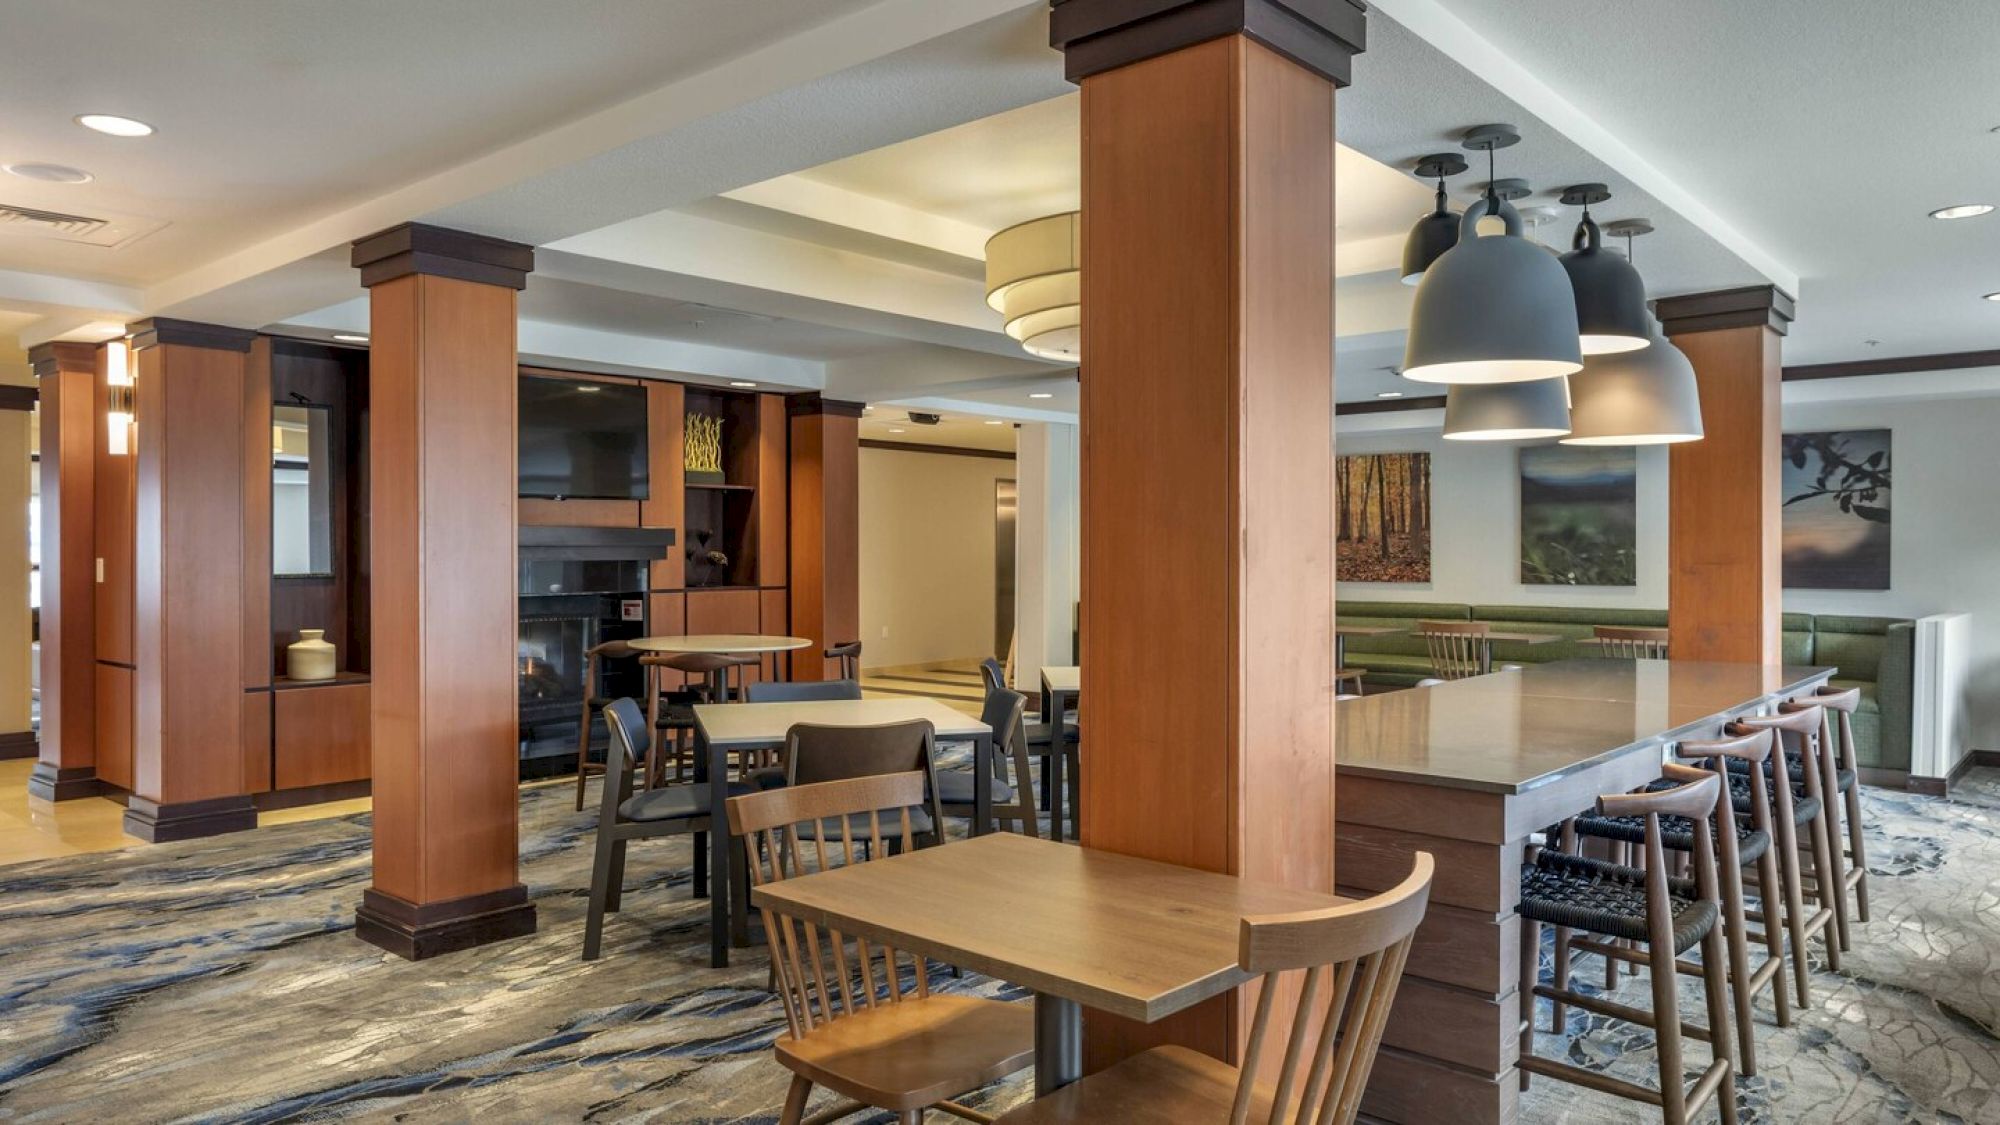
(594, 702)
(1011, 800)
(816, 752)
(1348, 963)
(849, 655)
(1651, 907)
(1741, 843)
(801, 691)
(625, 815)
(851, 1025)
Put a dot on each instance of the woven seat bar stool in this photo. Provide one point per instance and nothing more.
(1669, 916)
(1741, 842)
(706, 681)
(594, 703)
(1840, 784)
(1809, 853)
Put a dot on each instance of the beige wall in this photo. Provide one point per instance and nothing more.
(16, 475)
(927, 573)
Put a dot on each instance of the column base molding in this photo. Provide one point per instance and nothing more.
(158, 823)
(51, 782)
(19, 744)
(417, 932)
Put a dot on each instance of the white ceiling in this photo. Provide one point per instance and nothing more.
(966, 431)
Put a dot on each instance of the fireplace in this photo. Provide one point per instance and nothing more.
(579, 587)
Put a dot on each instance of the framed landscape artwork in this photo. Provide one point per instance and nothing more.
(1835, 486)
(1383, 517)
(1579, 516)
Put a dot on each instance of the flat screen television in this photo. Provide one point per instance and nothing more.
(582, 440)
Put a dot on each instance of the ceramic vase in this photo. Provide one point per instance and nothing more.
(311, 657)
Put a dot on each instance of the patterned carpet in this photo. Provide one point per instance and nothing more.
(216, 980)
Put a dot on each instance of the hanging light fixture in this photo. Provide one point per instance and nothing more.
(1492, 310)
(1436, 232)
(118, 407)
(1644, 397)
(1507, 411)
(1034, 279)
(1610, 295)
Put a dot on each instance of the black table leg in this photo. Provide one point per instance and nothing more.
(982, 784)
(1053, 780)
(712, 766)
(1058, 1043)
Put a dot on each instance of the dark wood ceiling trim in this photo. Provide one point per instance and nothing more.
(422, 248)
(1749, 307)
(18, 398)
(947, 450)
(62, 355)
(188, 333)
(1388, 405)
(1099, 35)
(1942, 361)
(796, 405)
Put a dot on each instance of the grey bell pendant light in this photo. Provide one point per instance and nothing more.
(1610, 295)
(1645, 397)
(1436, 232)
(1492, 310)
(1507, 411)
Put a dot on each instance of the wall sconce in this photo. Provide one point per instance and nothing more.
(118, 411)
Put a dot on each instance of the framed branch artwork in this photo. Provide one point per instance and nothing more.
(1836, 489)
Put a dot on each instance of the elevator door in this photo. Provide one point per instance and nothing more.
(1005, 505)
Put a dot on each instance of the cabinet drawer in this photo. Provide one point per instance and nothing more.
(320, 735)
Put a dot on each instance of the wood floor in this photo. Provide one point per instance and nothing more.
(956, 685)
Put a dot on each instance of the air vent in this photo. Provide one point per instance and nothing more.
(17, 221)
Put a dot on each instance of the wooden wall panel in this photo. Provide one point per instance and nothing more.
(257, 765)
(666, 616)
(188, 627)
(114, 478)
(336, 378)
(320, 735)
(114, 724)
(1725, 535)
(666, 410)
(543, 512)
(258, 655)
(69, 421)
(825, 574)
(773, 509)
(723, 611)
(1207, 443)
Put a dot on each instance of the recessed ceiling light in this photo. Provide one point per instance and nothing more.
(590, 388)
(114, 125)
(995, 422)
(1962, 211)
(50, 173)
(1041, 394)
(350, 338)
(897, 430)
(1993, 296)
(1388, 394)
(741, 383)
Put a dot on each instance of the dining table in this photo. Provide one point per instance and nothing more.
(1342, 632)
(1468, 771)
(1061, 685)
(1078, 927)
(759, 645)
(723, 729)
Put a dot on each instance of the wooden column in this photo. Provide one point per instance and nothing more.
(187, 569)
(442, 450)
(67, 762)
(1207, 446)
(1724, 594)
(826, 528)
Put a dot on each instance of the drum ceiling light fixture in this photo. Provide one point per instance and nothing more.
(1034, 279)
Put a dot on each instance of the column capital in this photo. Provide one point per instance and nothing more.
(58, 356)
(1752, 306)
(809, 404)
(158, 330)
(421, 248)
(1322, 36)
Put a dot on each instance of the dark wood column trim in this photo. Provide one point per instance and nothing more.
(1765, 306)
(943, 450)
(1094, 36)
(160, 823)
(797, 406)
(160, 330)
(416, 932)
(18, 398)
(19, 744)
(62, 355)
(1904, 365)
(51, 782)
(1390, 405)
(421, 248)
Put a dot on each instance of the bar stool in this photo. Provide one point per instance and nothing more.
(849, 655)
(1668, 915)
(1740, 843)
(1798, 808)
(673, 711)
(1843, 774)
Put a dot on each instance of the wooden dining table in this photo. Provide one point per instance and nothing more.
(1081, 928)
(723, 729)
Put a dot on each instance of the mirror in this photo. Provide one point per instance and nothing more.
(301, 492)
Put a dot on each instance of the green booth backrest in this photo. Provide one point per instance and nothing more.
(1396, 615)
(1796, 644)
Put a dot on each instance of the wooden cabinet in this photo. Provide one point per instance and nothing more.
(319, 734)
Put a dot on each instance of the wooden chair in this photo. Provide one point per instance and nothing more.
(1352, 957)
(1347, 675)
(1012, 801)
(1840, 705)
(706, 680)
(1668, 916)
(1457, 648)
(1739, 845)
(875, 1040)
(1802, 835)
(1620, 642)
(594, 702)
(849, 655)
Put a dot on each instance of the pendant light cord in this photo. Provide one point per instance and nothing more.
(1492, 185)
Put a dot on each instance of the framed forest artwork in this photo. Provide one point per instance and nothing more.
(1383, 519)
(1579, 515)
(1835, 485)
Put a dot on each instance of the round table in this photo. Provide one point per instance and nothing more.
(724, 644)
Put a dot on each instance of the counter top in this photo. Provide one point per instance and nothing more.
(1513, 731)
